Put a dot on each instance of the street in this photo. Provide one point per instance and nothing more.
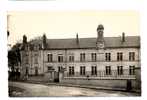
(39, 90)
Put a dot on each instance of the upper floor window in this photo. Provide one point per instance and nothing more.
(60, 58)
(131, 56)
(107, 56)
(26, 60)
(36, 60)
(120, 70)
(71, 58)
(50, 57)
(108, 70)
(132, 70)
(82, 70)
(82, 57)
(93, 56)
(71, 70)
(119, 56)
(93, 70)
(26, 54)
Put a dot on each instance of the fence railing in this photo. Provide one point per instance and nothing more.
(87, 61)
(102, 74)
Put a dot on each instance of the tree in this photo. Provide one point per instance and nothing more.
(14, 59)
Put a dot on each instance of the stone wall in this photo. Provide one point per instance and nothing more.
(116, 83)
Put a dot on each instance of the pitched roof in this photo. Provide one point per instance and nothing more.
(110, 42)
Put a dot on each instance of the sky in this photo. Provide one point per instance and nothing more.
(66, 24)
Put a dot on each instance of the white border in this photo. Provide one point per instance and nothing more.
(137, 5)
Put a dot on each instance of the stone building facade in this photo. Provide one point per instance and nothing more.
(101, 60)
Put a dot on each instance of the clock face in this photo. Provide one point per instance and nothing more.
(100, 45)
(100, 33)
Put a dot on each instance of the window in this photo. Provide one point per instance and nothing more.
(59, 68)
(119, 56)
(60, 58)
(50, 57)
(132, 70)
(71, 58)
(82, 57)
(50, 68)
(71, 70)
(36, 60)
(131, 56)
(36, 71)
(120, 70)
(35, 54)
(108, 56)
(27, 60)
(27, 54)
(82, 70)
(108, 70)
(93, 56)
(93, 70)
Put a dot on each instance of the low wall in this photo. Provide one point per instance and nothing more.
(37, 79)
(115, 83)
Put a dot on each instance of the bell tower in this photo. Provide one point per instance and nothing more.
(100, 37)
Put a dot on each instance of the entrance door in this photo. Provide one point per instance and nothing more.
(56, 78)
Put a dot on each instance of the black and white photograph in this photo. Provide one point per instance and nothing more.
(85, 53)
(73, 49)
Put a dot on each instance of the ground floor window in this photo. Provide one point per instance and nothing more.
(93, 70)
(59, 68)
(132, 70)
(27, 70)
(82, 70)
(71, 70)
(120, 70)
(36, 71)
(108, 70)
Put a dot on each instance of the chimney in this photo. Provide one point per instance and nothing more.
(77, 39)
(44, 41)
(24, 39)
(123, 37)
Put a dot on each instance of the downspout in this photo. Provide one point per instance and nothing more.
(65, 60)
(43, 61)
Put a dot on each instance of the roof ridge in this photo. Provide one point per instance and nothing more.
(89, 37)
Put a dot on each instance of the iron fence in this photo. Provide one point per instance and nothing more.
(102, 74)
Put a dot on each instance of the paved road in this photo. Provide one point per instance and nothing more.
(52, 90)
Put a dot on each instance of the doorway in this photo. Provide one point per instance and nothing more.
(56, 78)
